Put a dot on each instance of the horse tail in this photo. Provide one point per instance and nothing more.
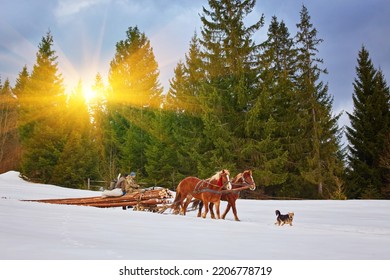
(177, 200)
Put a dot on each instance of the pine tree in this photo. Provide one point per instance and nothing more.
(183, 99)
(320, 129)
(78, 159)
(41, 124)
(133, 79)
(9, 137)
(134, 72)
(179, 127)
(370, 125)
(161, 151)
(384, 163)
(101, 130)
(19, 91)
(183, 94)
(228, 56)
(178, 86)
(228, 51)
(21, 82)
(98, 105)
(269, 123)
(5, 113)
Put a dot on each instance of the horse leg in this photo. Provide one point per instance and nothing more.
(200, 208)
(226, 210)
(217, 204)
(235, 210)
(211, 210)
(179, 206)
(185, 205)
(206, 210)
(182, 203)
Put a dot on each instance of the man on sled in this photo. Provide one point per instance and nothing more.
(125, 184)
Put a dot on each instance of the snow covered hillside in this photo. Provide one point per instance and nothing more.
(322, 230)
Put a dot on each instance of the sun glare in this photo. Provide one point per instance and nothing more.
(89, 94)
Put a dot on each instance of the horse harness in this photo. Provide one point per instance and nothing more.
(243, 186)
(244, 183)
(199, 188)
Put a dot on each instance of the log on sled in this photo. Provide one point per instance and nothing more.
(148, 200)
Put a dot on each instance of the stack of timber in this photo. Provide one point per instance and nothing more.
(149, 200)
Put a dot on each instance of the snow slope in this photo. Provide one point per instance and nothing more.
(322, 230)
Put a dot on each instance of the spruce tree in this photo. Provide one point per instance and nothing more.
(9, 137)
(133, 79)
(370, 125)
(19, 91)
(21, 82)
(42, 125)
(183, 99)
(228, 56)
(134, 72)
(161, 151)
(101, 130)
(189, 132)
(175, 99)
(178, 110)
(183, 94)
(78, 159)
(384, 163)
(321, 165)
(270, 124)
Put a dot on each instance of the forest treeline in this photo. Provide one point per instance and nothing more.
(232, 103)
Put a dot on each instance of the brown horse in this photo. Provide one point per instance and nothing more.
(243, 179)
(208, 191)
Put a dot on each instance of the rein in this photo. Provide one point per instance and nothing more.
(198, 188)
(244, 186)
(244, 183)
(235, 190)
(223, 191)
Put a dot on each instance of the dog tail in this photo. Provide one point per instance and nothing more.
(277, 212)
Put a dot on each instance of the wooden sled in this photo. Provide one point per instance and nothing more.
(148, 200)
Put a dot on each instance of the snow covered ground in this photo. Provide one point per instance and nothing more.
(322, 230)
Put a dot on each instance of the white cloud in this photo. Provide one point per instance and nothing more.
(67, 8)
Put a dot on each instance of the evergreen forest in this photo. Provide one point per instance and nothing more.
(233, 103)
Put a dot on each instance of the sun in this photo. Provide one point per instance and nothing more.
(89, 94)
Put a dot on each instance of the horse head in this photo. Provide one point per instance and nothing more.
(224, 175)
(247, 179)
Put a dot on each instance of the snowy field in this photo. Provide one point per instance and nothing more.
(322, 230)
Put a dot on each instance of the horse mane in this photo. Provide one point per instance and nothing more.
(239, 176)
(217, 175)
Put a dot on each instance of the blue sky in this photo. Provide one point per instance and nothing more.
(86, 31)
